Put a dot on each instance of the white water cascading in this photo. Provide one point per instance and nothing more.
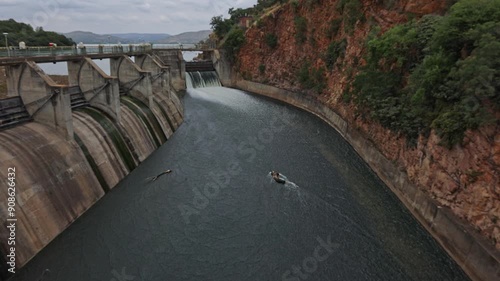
(202, 79)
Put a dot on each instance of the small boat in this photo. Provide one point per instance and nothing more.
(277, 178)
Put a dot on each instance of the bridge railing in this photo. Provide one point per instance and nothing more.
(73, 50)
(174, 46)
(179, 46)
(46, 51)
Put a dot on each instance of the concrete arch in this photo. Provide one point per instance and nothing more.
(160, 74)
(99, 89)
(132, 79)
(177, 65)
(45, 101)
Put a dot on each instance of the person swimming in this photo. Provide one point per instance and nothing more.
(276, 177)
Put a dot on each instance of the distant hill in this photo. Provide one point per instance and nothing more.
(92, 38)
(187, 37)
(18, 32)
(126, 38)
(141, 37)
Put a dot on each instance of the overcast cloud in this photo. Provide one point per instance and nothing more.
(119, 16)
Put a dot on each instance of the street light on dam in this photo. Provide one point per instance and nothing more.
(6, 43)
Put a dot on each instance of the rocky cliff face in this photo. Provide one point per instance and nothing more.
(466, 178)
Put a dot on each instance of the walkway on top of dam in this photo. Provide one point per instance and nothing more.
(57, 54)
(220, 216)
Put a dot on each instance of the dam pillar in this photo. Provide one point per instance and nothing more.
(46, 102)
(160, 74)
(12, 73)
(132, 79)
(99, 89)
(223, 68)
(163, 94)
(175, 60)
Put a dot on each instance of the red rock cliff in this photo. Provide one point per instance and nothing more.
(466, 178)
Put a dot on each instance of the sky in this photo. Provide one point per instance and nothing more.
(119, 16)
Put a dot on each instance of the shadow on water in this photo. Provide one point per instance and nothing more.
(220, 216)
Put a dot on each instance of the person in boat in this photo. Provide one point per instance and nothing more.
(276, 177)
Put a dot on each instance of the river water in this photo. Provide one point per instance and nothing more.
(220, 216)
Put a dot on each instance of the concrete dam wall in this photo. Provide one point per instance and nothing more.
(83, 139)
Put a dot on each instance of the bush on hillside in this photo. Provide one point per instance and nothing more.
(311, 77)
(438, 73)
(335, 50)
(235, 39)
(271, 40)
(300, 29)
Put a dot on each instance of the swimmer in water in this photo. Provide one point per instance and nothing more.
(276, 177)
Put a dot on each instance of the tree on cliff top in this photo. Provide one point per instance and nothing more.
(220, 26)
(235, 39)
(19, 31)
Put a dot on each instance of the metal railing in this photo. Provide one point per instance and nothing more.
(180, 46)
(73, 50)
(97, 49)
(174, 46)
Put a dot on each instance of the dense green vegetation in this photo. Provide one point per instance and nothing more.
(335, 50)
(231, 35)
(263, 4)
(222, 26)
(311, 77)
(262, 69)
(24, 32)
(351, 11)
(438, 72)
(234, 40)
(271, 40)
(435, 72)
(333, 27)
(300, 29)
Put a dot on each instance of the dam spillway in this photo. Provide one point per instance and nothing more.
(79, 142)
(219, 216)
(202, 79)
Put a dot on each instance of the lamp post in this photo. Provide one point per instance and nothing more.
(6, 43)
